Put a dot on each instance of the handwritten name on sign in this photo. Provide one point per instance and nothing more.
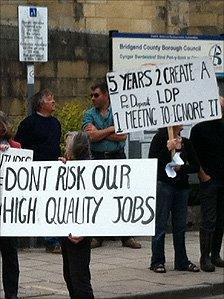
(85, 198)
(13, 155)
(167, 95)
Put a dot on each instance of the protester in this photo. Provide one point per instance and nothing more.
(41, 132)
(172, 197)
(8, 245)
(76, 250)
(105, 143)
(208, 140)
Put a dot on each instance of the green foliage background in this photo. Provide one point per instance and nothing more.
(71, 115)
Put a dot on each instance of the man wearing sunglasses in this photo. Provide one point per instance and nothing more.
(105, 143)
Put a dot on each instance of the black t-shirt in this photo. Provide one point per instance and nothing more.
(159, 150)
(42, 135)
(208, 140)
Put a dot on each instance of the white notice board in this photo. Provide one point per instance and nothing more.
(33, 33)
(138, 49)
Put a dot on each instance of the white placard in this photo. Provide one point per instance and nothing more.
(13, 155)
(165, 95)
(85, 198)
(33, 33)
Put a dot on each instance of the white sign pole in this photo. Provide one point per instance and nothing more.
(30, 73)
(30, 84)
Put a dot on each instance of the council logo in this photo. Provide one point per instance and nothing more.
(216, 55)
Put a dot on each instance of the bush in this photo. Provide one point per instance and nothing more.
(15, 121)
(71, 115)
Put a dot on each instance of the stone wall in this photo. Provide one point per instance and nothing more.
(78, 40)
(75, 59)
(161, 16)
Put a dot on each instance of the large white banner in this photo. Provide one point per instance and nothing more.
(33, 33)
(165, 95)
(84, 198)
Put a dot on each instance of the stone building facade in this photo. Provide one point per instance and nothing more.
(79, 43)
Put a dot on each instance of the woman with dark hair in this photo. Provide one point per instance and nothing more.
(8, 245)
(172, 197)
(76, 250)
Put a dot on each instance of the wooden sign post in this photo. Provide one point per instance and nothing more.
(171, 136)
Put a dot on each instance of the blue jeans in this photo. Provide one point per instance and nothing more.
(170, 199)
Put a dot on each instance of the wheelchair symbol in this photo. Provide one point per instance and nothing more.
(216, 54)
(33, 12)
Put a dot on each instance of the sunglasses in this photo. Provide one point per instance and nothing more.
(94, 95)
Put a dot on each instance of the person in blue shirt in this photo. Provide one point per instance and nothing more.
(105, 143)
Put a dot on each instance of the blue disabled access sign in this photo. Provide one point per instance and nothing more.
(33, 33)
(33, 12)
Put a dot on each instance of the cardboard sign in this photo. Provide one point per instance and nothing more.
(85, 198)
(13, 155)
(162, 96)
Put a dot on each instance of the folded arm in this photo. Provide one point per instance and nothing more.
(117, 137)
(98, 134)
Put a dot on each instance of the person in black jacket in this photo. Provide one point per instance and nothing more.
(208, 140)
(41, 132)
(172, 196)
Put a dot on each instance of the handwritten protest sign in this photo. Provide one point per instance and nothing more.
(162, 96)
(13, 155)
(85, 198)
